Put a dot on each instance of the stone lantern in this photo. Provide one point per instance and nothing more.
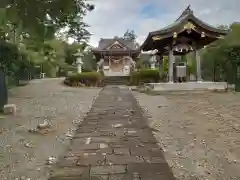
(153, 59)
(79, 61)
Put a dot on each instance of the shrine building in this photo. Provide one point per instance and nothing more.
(187, 34)
(116, 57)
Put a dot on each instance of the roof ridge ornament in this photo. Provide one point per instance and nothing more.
(187, 11)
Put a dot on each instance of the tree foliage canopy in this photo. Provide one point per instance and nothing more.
(130, 35)
(45, 17)
(221, 58)
(29, 34)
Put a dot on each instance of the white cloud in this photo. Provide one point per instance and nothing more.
(113, 17)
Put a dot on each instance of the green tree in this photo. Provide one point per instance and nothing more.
(89, 62)
(46, 17)
(221, 58)
(130, 35)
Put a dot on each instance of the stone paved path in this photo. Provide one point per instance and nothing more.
(114, 142)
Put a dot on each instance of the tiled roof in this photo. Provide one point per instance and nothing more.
(186, 16)
(104, 43)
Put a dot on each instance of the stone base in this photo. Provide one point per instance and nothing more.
(188, 86)
(10, 109)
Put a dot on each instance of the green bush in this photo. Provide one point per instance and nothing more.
(84, 79)
(134, 78)
(144, 76)
(86, 70)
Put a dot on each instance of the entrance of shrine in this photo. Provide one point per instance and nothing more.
(116, 64)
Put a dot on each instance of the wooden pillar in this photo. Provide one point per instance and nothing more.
(162, 73)
(170, 66)
(153, 61)
(3, 91)
(198, 66)
(109, 63)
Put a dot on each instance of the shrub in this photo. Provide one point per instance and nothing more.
(149, 75)
(144, 76)
(101, 72)
(134, 78)
(86, 70)
(85, 78)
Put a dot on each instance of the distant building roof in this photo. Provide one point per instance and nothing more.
(105, 43)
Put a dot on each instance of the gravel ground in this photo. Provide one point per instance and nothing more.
(23, 154)
(199, 133)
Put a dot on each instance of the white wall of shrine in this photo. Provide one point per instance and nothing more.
(117, 66)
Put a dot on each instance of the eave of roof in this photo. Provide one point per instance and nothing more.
(105, 43)
(96, 50)
(182, 20)
(186, 16)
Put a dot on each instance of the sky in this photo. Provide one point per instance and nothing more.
(113, 17)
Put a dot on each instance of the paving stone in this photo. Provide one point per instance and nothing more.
(132, 132)
(121, 177)
(103, 139)
(154, 159)
(66, 172)
(99, 177)
(86, 135)
(78, 141)
(114, 153)
(129, 139)
(146, 151)
(118, 159)
(123, 144)
(136, 151)
(92, 117)
(92, 152)
(148, 146)
(67, 161)
(82, 152)
(90, 160)
(104, 170)
(69, 178)
(107, 150)
(106, 131)
(94, 146)
(89, 123)
(119, 133)
(147, 138)
(84, 129)
(122, 151)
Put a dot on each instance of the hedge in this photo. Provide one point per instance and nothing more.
(84, 79)
(144, 76)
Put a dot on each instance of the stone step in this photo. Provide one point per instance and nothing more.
(116, 80)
